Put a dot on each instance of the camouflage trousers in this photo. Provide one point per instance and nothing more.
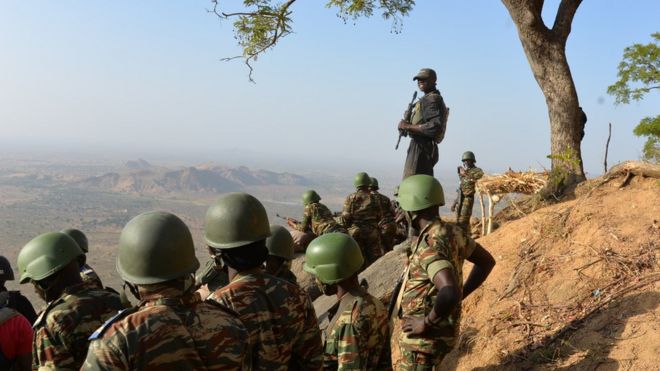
(405, 359)
(465, 213)
(368, 238)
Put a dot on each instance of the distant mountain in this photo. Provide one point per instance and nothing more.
(142, 177)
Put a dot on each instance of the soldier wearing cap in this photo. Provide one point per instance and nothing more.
(468, 175)
(427, 126)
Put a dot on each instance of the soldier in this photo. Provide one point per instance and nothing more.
(386, 225)
(317, 220)
(468, 175)
(86, 272)
(280, 254)
(357, 336)
(361, 215)
(14, 299)
(399, 219)
(171, 329)
(278, 315)
(427, 126)
(75, 308)
(429, 302)
(15, 329)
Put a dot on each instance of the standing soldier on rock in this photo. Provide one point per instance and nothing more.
(171, 329)
(280, 254)
(317, 220)
(357, 337)
(86, 272)
(279, 316)
(426, 127)
(429, 302)
(75, 308)
(361, 215)
(468, 175)
(386, 225)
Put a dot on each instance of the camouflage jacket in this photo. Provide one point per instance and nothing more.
(62, 330)
(439, 246)
(89, 275)
(280, 319)
(317, 219)
(386, 207)
(285, 273)
(170, 330)
(361, 209)
(358, 338)
(469, 180)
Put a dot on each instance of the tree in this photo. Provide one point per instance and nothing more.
(639, 66)
(261, 24)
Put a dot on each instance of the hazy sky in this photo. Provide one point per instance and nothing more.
(145, 78)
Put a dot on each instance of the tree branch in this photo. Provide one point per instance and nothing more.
(564, 18)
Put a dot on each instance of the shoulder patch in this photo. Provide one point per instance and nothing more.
(122, 313)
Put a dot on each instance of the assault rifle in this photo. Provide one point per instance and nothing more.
(406, 117)
(290, 221)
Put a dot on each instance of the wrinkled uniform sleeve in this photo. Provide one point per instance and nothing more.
(438, 256)
(352, 347)
(346, 212)
(103, 355)
(433, 108)
(50, 351)
(308, 350)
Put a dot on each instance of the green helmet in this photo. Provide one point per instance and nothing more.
(280, 242)
(468, 155)
(79, 237)
(418, 192)
(361, 179)
(235, 220)
(45, 255)
(333, 257)
(373, 183)
(310, 196)
(6, 273)
(155, 247)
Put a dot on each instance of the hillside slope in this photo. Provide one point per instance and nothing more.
(576, 286)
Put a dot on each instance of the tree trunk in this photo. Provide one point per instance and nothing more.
(546, 52)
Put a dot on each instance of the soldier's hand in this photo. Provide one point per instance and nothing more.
(453, 207)
(461, 171)
(404, 125)
(413, 325)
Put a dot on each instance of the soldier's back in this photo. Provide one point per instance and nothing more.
(280, 319)
(363, 208)
(171, 334)
(61, 332)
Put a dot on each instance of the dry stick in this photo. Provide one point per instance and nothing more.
(607, 145)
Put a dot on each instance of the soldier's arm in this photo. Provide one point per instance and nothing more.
(346, 212)
(432, 110)
(483, 264)
(308, 349)
(304, 223)
(351, 348)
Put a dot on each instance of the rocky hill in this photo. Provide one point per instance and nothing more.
(141, 178)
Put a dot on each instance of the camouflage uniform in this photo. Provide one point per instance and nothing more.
(358, 335)
(170, 330)
(89, 275)
(361, 215)
(440, 246)
(62, 330)
(280, 319)
(318, 219)
(386, 225)
(467, 190)
(285, 273)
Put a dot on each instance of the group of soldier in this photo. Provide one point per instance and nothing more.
(244, 310)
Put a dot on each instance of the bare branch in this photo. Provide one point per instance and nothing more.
(564, 18)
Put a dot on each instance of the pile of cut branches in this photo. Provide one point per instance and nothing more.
(528, 182)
